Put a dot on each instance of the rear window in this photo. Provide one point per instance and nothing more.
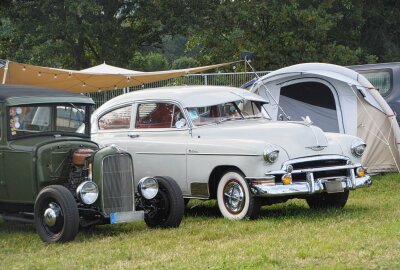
(117, 119)
(380, 79)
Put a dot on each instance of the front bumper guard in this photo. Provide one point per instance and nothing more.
(310, 185)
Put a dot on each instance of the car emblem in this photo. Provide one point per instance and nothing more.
(317, 147)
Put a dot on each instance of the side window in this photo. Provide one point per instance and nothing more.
(159, 115)
(116, 119)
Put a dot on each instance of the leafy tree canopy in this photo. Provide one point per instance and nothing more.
(153, 34)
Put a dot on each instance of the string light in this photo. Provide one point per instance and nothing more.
(24, 68)
(129, 78)
(84, 84)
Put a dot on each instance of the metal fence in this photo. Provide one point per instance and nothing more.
(236, 79)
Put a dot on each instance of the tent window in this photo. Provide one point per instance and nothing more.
(381, 79)
(311, 99)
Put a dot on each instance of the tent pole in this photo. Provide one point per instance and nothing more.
(5, 72)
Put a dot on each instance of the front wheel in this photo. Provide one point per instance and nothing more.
(234, 198)
(166, 209)
(56, 214)
(328, 200)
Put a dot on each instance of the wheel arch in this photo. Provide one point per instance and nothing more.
(216, 175)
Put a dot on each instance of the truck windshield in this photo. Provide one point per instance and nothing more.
(219, 113)
(38, 119)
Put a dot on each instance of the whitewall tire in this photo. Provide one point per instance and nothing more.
(234, 198)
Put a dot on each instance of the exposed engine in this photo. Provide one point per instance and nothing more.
(80, 168)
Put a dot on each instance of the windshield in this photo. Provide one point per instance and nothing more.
(40, 119)
(239, 110)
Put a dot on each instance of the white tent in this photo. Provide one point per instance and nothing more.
(336, 99)
(98, 78)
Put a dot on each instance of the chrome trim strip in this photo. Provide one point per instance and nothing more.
(223, 154)
(315, 158)
(321, 169)
(159, 153)
(267, 177)
(192, 153)
(327, 168)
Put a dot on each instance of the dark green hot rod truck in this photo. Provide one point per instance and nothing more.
(54, 176)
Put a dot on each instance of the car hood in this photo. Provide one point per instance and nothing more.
(297, 139)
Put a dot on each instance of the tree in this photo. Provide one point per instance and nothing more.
(184, 62)
(155, 61)
(76, 34)
(280, 33)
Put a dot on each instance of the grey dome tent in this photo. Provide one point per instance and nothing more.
(336, 99)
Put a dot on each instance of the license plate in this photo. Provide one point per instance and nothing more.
(122, 217)
(334, 186)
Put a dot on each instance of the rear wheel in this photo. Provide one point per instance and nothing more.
(166, 209)
(328, 200)
(56, 215)
(234, 198)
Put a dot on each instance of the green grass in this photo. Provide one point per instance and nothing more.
(363, 235)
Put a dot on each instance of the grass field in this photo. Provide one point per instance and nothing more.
(364, 235)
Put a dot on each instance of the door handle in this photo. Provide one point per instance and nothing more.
(133, 135)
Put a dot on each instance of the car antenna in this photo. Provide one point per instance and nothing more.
(247, 59)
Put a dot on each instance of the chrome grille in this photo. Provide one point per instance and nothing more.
(117, 184)
(319, 163)
(326, 162)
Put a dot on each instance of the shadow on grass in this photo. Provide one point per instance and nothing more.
(84, 234)
(16, 227)
(280, 211)
(100, 231)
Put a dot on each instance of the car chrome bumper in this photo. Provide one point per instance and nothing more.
(270, 186)
(307, 187)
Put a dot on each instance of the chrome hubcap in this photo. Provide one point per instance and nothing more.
(51, 214)
(234, 197)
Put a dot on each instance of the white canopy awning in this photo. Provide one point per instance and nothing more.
(107, 69)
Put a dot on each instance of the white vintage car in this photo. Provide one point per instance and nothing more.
(219, 143)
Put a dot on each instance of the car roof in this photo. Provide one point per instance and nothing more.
(21, 94)
(189, 96)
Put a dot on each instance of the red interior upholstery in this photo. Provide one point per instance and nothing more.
(160, 117)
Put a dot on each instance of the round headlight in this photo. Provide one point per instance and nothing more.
(87, 192)
(358, 148)
(271, 154)
(148, 187)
